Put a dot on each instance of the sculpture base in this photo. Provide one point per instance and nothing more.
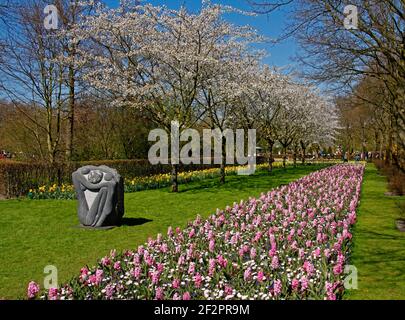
(80, 226)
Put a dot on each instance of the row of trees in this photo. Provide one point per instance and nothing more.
(367, 62)
(169, 65)
(366, 124)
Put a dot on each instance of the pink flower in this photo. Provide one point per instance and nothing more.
(117, 265)
(317, 252)
(181, 260)
(295, 283)
(141, 250)
(128, 253)
(93, 279)
(186, 296)
(211, 235)
(176, 296)
(274, 263)
(257, 236)
(304, 283)
(155, 277)
(197, 280)
(301, 253)
(136, 273)
(252, 253)
(109, 291)
(191, 268)
(211, 267)
(159, 295)
(247, 274)
(341, 258)
(330, 295)
(337, 269)
(53, 293)
(164, 248)
(99, 275)
(211, 246)
(308, 267)
(228, 290)
(190, 251)
(105, 261)
(83, 274)
(277, 287)
(191, 233)
(260, 276)
(222, 261)
(176, 284)
(328, 286)
(148, 259)
(84, 271)
(151, 242)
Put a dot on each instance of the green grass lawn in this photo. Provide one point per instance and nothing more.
(379, 247)
(37, 233)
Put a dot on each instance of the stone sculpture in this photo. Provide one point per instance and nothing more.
(100, 192)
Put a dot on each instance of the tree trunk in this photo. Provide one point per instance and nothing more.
(304, 154)
(223, 161)
(284, 156)
(71, 115)
(175, 184)
(49, 138)
(376, 146)
(388, 149)
(270, 157)
(380, 155)
(295, 157)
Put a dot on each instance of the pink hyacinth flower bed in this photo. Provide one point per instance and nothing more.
(290, 243)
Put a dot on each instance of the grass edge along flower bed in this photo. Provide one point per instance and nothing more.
(290, 243)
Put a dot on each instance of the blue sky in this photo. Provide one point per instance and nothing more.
(268, 25)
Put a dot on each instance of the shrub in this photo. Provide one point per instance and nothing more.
(395, 177)
(17, 178)
(396, 183)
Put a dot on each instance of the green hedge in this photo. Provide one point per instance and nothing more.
(16, 178)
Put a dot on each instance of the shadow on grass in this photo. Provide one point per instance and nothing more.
(244, 183)
(130, 222)
(379, 235)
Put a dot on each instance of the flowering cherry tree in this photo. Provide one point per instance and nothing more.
(260, 102)
(196, 69)
(162, 60)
